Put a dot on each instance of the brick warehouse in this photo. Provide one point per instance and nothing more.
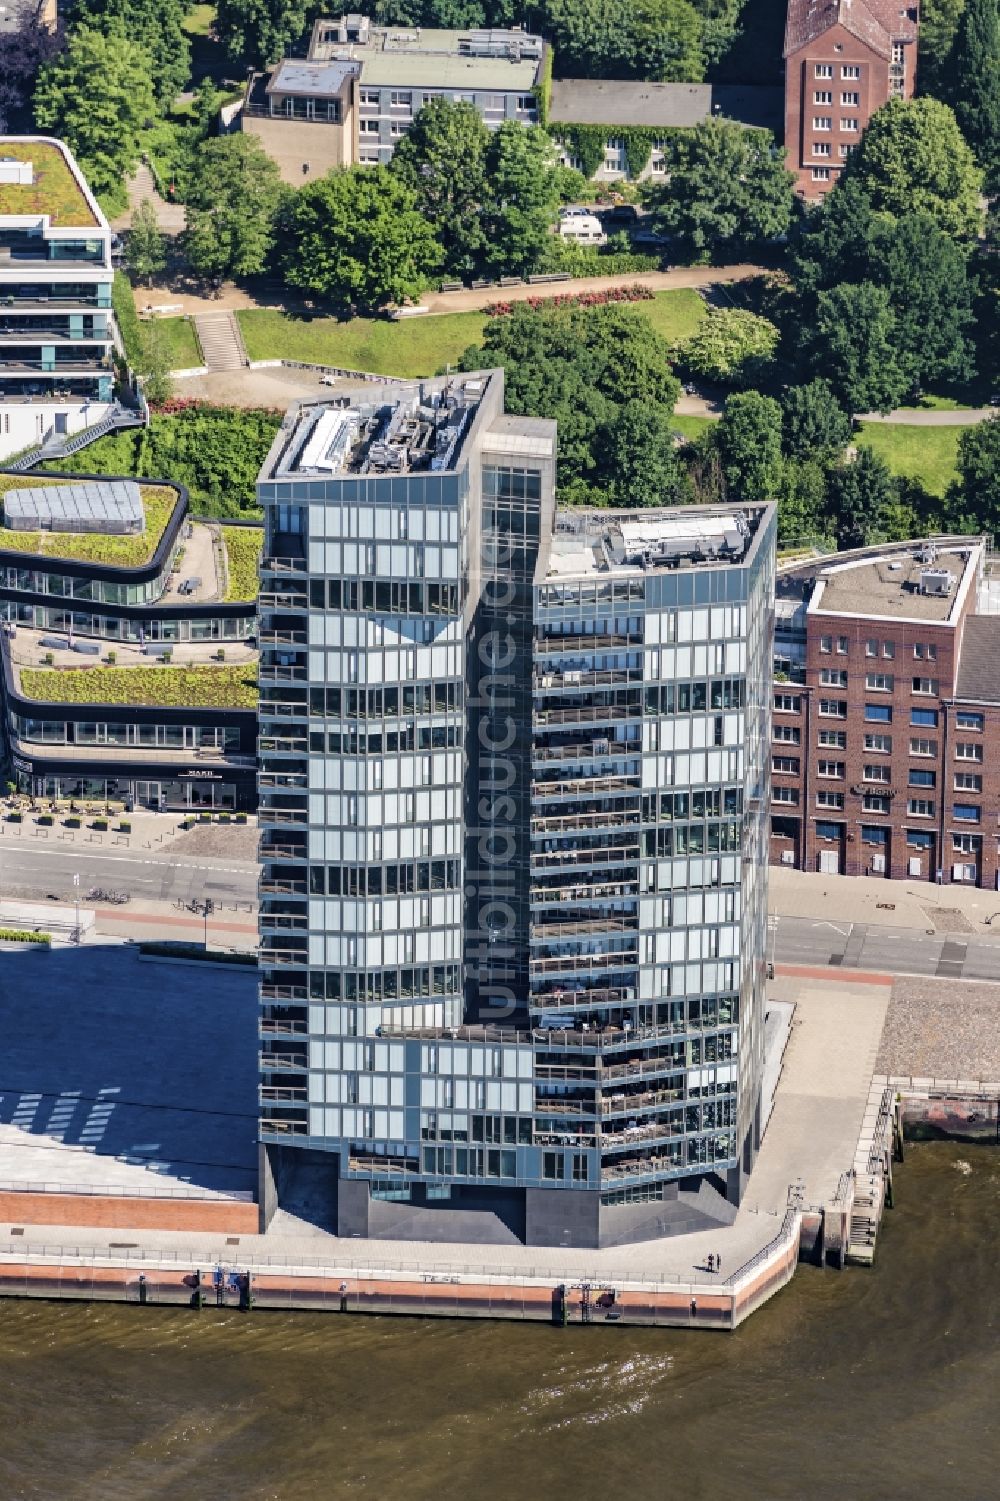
(844, 59)
(886, 701)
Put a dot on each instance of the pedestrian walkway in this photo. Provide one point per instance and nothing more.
(876, 902)
(221, 341)
(169, 216)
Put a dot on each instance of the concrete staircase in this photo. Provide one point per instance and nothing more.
(221, 342)
(865, 1216)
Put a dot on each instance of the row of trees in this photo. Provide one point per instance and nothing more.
(656, 39)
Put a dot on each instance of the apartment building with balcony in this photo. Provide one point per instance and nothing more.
(111, 680)
(887, 715)
(357, 91)
(844, 59)
(514, 785)
(56, 323)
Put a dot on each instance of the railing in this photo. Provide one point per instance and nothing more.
(282, 816)
(267, 599)
(271, 1094)
(295, 1062)
(278, 745)
(283, 565)
(588, 714)
(583, 787)
(278, 781)
(282, 956)
(577, 678)
(282, 638)
(595, 926)
(555, 823)
(119, 1191)
(271, 1027)
(282, 672)
(282, 922)
(282, 888)
(546, 644)
(283, 1128)
(278, 852)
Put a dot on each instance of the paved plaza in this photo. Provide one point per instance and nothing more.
(126, 1073)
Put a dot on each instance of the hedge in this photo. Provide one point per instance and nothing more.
(542, 90)
(123, 303)
(24, 935)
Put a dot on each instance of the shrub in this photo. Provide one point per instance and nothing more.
(730, 345)
(241, 818)
(15, 817)
(25, 935)
(244, 545)
(112, 658)
(124, 827)
(100, 824)
(46, 820)
(72, 823)
(602, 298)
(198, 686)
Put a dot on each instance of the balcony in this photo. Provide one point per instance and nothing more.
(551, 644)
(282, 817)
(277, 852)
(584, 928)
(282, 638)
(587, 787)
(282, 745)
(278, 781)
(279, 1026)
(283, 1128)
(271, 957)
(282, 1093)
(282, 922)
(584, 677)
(272, 599)
(282, 672)
(276, 886)
(558, 823)
(283, 565)
(589, 714)
(282, 1062)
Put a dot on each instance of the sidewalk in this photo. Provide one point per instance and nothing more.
(879, 903)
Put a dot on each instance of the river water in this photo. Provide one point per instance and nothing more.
(876, 1384)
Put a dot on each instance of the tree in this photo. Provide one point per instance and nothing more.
(145, 252)
(978, 484)
(801, 494)
(938, 23)
(975, 71)
(156, 364)
(749, 441)
(862, 495)
(852, 344)
(232, 200)
(523, 201)
(157, 27)
(580, 367)
(658, 39)
(644, 463)
(97, 96)
(726, 187)
(814, 424)
(730, 345)
(442, 159)
(357, 237)
(832, 243)
(257, 32)
(21, 57)
(924, 273)
(912, 156)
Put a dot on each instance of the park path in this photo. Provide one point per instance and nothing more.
(708, 406)
(170, 216)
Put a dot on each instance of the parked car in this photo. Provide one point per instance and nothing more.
(622, 213)
(583, 229)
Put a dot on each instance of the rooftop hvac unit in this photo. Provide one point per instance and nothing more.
(936, 581)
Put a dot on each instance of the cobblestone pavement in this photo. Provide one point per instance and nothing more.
(235, 842)
(937, 1029)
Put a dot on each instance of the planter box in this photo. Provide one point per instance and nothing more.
(100, 824)
(73, 823)
(46, 820)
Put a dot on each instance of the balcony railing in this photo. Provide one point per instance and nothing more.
(282, 817)
(271, 599)
(272, 1026)
(282, 672)
(283, 1128)
(282, 1062)
(278, 781)
(274, 886)
(283, 565)
(282, 922)
(273, 852)
(283, 745)
(282, 1093)
(282, 638)
(546, 644)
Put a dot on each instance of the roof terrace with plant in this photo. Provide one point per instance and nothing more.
(39, 178)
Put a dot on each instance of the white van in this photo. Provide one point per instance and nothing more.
(582, 229)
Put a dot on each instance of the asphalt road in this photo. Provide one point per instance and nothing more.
(899, 951)
(30, 872)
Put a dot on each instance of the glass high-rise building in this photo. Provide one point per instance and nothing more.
(513, 795)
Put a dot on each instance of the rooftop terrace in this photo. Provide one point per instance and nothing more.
(189, 687)
(55, 188)
(924, 583)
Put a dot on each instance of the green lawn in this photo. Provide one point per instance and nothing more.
(169, 687)
(415, 346)
(925, 454)
(180, 339)
(92, 547)
(412, 347)
(691, 426)
(675, 315)
(198, 21)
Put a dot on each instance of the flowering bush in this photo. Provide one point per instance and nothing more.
(602, 298)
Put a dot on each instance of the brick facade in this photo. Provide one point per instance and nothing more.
(890, 773)
(843, 61)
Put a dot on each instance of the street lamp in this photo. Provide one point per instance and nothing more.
(76, 902)
(205, 907)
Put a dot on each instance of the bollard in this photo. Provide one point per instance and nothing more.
(143, 1290)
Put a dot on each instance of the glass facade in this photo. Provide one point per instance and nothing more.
(513, 904)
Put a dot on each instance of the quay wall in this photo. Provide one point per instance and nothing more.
(693, 1305)
(963, 1109)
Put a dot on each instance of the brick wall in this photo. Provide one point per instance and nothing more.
(95, 1211)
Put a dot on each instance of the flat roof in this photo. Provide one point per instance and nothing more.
(404, 428)
(84, 501)
(58, 188)
(587, 544)
(320, 79)
(593, 101)
(888, 587)
(441, 70)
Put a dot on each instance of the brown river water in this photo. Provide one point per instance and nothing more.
(876, 1384)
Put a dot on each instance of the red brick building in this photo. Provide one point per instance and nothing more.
(844, 59)
(886, 706)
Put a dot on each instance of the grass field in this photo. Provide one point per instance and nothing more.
(415, 346)
(925, 454)
(182, 343)
(691, 426)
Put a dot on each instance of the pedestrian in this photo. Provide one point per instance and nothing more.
(711, 1266)
(718, 1263)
